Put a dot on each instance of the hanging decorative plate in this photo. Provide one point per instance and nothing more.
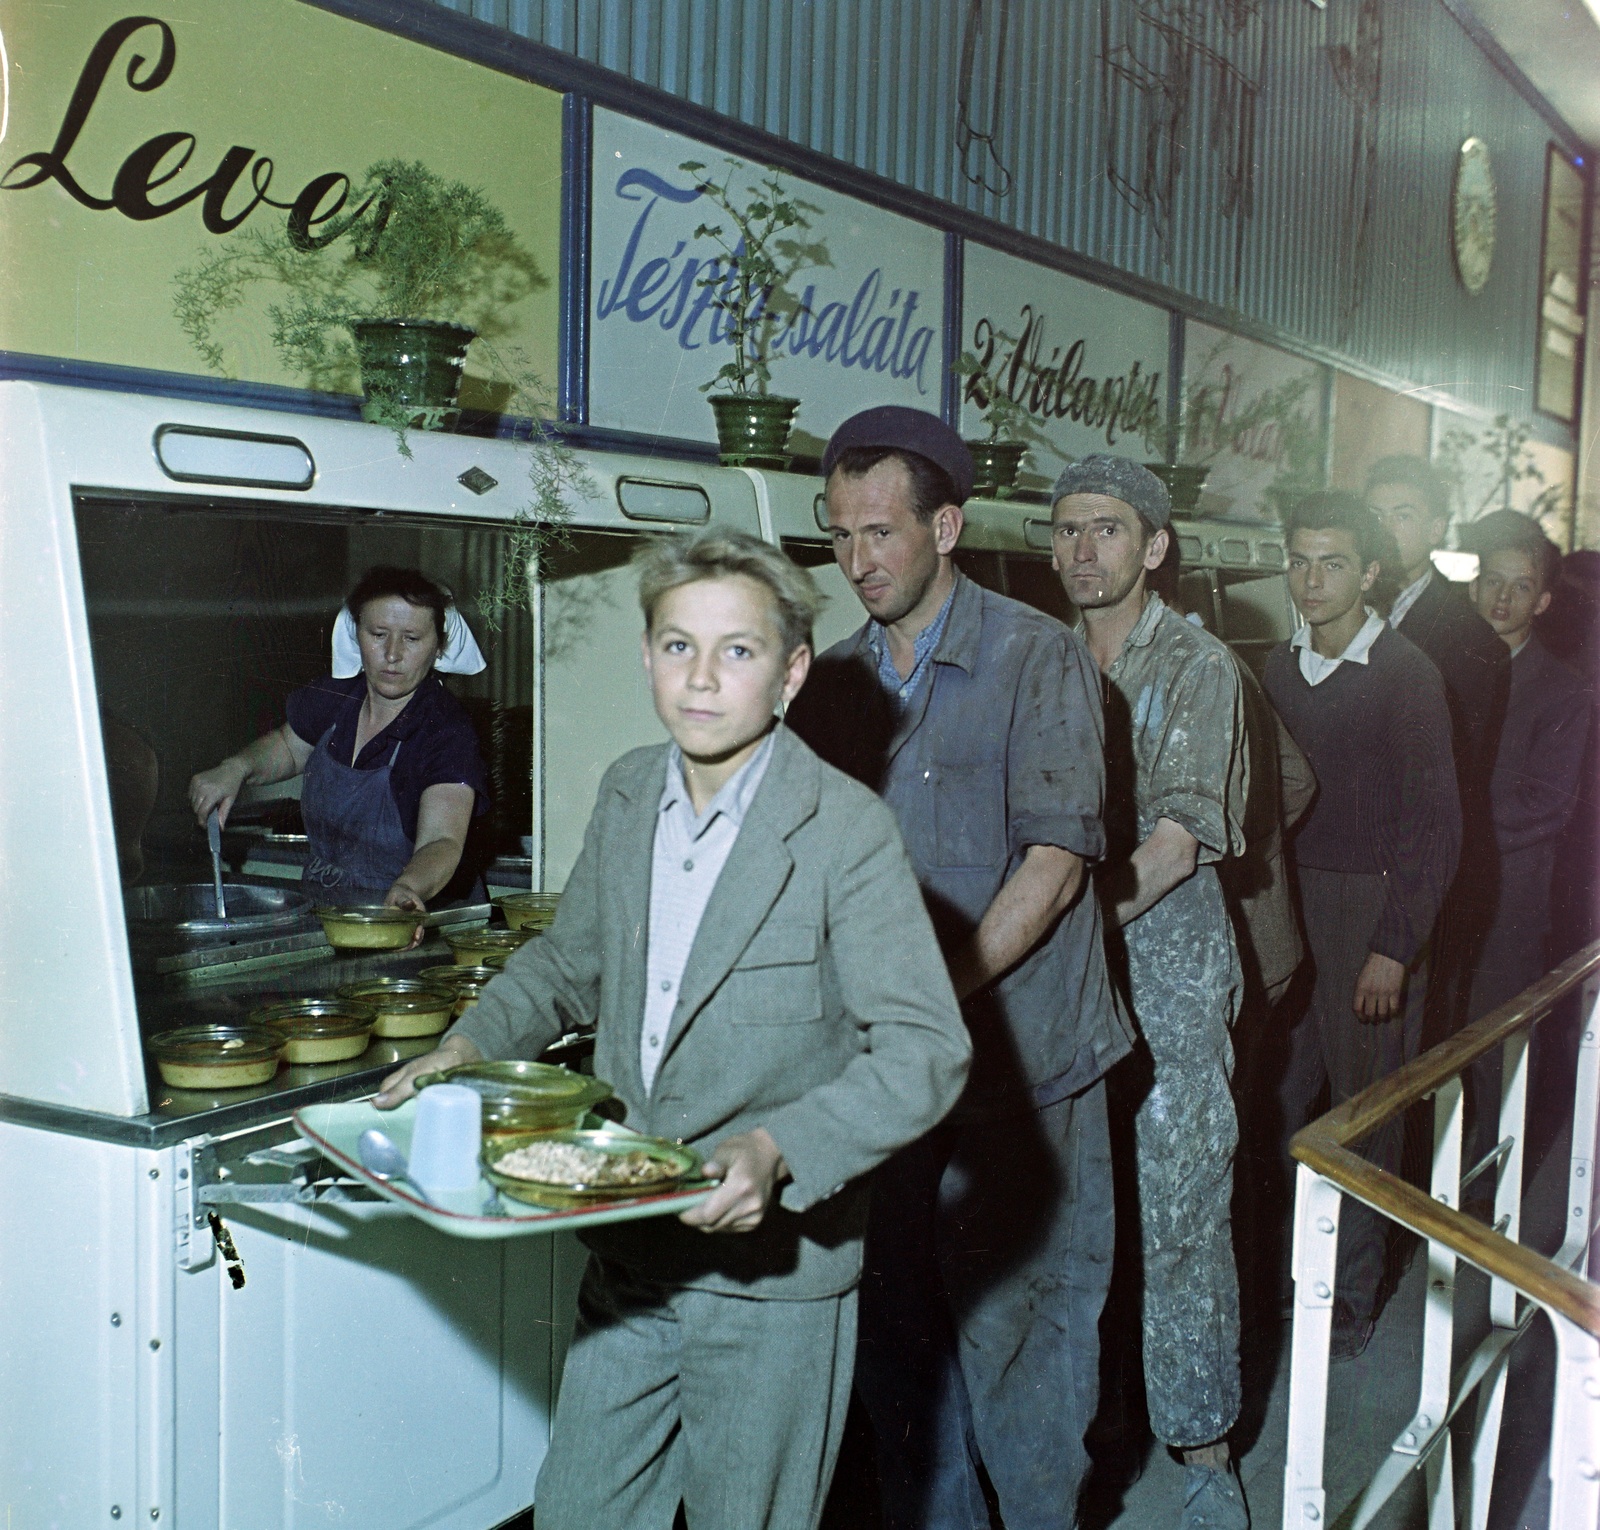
(1472, 215)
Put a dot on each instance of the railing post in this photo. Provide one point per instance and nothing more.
(1438, 1318)
(1316, 1249)
(1508, 1178)
(1574, 1251)
(1575, 1428)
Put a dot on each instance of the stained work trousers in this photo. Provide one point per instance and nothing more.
(1331, 1044)
(732, 1405)
(1185, 987)
(988, 1261)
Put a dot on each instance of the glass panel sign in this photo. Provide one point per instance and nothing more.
(1066, 366)
(1253, 417)
(863, 311)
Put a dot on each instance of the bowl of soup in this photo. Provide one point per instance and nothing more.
(369, 927)
(466, 983)
(404, 1006)
(318, 1030)
(528, 910)
(470, 947)
(212, 1057)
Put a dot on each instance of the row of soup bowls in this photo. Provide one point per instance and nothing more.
(307, 1031)
(379, 927)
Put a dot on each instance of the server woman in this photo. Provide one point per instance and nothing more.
(393, 772)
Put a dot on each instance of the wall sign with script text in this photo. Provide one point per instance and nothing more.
(135, 141)
(1255, 418)
(868, 328)
(1088, 365)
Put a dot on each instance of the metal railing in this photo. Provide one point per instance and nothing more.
(1523, 1283)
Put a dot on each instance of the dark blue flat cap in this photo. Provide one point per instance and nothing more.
(906, 430)
(1118, 478)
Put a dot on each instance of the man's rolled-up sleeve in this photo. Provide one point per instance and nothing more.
(1200, 777)
(1055, 755)
(893, 981)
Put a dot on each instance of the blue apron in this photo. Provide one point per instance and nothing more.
(358, 845)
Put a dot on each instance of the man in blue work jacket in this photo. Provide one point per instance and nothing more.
(978, 720)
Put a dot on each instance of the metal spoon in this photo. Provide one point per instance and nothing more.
(382, 1159)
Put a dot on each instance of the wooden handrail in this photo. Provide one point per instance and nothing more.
(1324, 1146)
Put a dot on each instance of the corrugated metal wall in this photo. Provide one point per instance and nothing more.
(1267, 225)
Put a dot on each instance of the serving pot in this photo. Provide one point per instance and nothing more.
(189, 910)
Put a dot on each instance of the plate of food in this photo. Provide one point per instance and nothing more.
(579, 1166)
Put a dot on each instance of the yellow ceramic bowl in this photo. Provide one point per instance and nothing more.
(369, 927)
(405, 1006)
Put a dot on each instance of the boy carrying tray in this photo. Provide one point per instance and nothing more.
(745, 933)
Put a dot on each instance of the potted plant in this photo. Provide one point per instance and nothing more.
(749, 287)
(1484, 469)
(996, 457)
(393, 292)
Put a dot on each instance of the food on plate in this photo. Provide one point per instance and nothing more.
(567, 1164)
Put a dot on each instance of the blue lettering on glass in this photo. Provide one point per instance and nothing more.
(869, 333)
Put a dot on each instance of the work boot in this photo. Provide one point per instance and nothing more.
(1213, 1499)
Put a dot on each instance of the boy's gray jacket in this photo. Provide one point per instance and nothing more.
(815, 1003)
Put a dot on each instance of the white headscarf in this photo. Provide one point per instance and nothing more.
(460, 654)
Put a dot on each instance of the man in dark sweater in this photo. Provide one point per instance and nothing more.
(1536, 782)
(1411, 499)
(1375, 853)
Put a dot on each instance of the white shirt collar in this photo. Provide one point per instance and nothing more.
(1408, 597)
(1316, 668)
(733, 797)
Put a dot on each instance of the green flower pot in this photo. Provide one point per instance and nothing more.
(753, 429)
(995, 466)
(1183, 482)
(411, 367)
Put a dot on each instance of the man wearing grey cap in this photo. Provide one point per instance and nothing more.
(1178, 773)
(989, 1244)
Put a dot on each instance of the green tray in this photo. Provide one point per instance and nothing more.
(337, 1128)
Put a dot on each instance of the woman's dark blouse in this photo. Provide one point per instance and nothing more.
(438, 744)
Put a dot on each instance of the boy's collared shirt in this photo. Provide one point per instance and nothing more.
(1316, 668)
(1408, 597)
(690, 852)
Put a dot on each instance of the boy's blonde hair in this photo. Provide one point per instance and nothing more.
(668, 562)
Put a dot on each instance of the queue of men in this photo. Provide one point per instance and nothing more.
(996, 896)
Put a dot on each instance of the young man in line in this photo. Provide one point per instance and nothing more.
(1375, 853)
(1176, 756)
(1536, 781)
(744, 931)
(990, 1240)
(1412, 502)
